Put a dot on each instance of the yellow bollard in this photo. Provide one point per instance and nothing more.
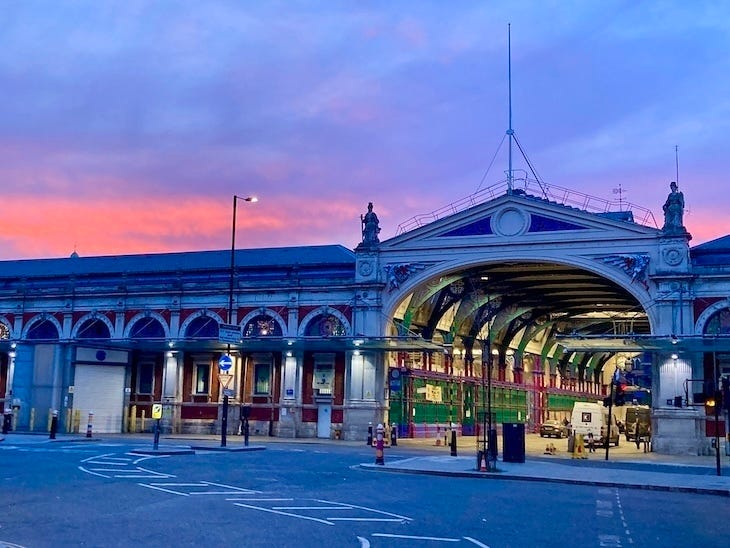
(133, 419)
(69, 425)
(77, 420)
(50, 418)
(32, 419)
(143, 419)
(125, 418)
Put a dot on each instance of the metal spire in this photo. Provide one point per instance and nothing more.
(510, 131)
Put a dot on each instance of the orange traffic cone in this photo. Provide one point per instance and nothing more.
(483, 463)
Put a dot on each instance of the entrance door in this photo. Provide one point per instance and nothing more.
(100, 389)
(324, 420)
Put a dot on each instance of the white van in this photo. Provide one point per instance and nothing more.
(588, 417)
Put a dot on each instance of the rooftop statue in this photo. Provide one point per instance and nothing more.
(370, 226)
(674, 210)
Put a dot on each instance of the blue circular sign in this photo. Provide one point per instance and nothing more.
(225, 362)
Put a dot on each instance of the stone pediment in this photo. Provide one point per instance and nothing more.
(520, 219)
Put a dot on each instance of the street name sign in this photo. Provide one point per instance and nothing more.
(229, 333)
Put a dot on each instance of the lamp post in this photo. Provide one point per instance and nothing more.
(224, 415)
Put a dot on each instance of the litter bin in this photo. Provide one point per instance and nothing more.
(514, 442)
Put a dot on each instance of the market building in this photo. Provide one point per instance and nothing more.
(530, 297)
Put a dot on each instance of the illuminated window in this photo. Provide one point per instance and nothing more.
(262, 326)
(326, 326)
(719, 323)
(4, 331)
(262, 378)
(202, 378)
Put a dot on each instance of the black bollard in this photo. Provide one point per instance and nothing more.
(7, 421)
(394, 435)
(369, 441)
(54, 425)
(453, 443)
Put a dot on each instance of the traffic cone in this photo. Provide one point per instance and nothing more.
(483, 463)
(438, 436)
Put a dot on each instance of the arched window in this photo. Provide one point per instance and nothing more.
(719, 323)
(202, 327)
(326, 325)
(43, 330)
(262, 326)
(147, 328)
(4, 332)
(93, 328)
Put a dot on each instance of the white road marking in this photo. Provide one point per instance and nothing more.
(413, 537)
(310, 508)
(367, 509)
(475, 541)
(261, 499)
(283, 513)
(388, 520)
(92, 473)
(163, 489)
(364, 543)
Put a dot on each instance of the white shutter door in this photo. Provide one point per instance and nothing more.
(100, 389)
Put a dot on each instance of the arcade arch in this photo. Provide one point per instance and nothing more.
(510, 317)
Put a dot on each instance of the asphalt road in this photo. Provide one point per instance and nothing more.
(98, 494)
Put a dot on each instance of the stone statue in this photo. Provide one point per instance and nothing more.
(674, 210)
(370, 226)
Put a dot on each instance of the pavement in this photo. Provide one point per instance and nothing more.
(627, 469)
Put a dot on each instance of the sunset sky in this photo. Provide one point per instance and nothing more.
(127, 126)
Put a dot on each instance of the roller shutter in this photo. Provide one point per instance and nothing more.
(100, 389)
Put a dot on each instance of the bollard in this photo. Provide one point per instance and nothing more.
(69, 424)
(77, 421)
(54, 425)
(88, 424)
(32, 419)
(7, 420)
(369, 441)
(453, 443)
(144, 418)
(48, 422)
(379, 453)
(438, 435)
(133, 419)
(393, 435)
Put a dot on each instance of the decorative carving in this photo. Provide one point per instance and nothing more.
(673, 256)
(633, 265)
(366, 268)
(398, 273)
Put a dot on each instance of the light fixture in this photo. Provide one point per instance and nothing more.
(356, 352)
(675, 340)
(13, 345)
(510, 352)
(357, 342)
(495, 352)
(674, 356)
(170, 354)
(289, 354)
(12, 354)
(170, 344)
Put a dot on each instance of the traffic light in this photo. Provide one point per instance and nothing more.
(606, 401)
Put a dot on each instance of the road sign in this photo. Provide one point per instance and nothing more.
(229, 333)
(228, 392)
(225, 362)
(225, 380)
(156, 410)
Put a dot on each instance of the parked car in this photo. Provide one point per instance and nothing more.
(550, 429)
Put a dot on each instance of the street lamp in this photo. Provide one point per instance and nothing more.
(224, 416)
